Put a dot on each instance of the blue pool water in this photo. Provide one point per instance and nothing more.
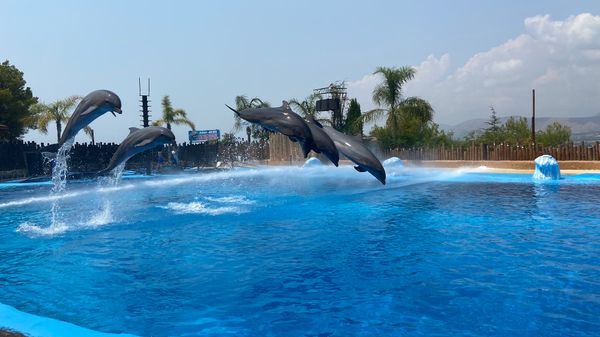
(318, 251)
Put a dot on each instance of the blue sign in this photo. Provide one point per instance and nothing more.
(202, 136)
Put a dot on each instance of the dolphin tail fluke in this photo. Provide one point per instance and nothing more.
(232, 109)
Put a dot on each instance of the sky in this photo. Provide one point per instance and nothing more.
(469, 55)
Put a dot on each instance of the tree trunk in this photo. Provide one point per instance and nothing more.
(58, 130)
(168, 125)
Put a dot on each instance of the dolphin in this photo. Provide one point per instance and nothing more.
(323, 143)
(283, 120)
(358, 153)
(139, 140)
(92, 106)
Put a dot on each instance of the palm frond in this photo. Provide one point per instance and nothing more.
(159, 122)
(185, 121)
(372, 115)
(88, 131)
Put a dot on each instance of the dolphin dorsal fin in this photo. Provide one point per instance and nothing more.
(132, 129)
(317, 123)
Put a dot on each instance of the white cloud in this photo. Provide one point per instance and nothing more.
(557, 58)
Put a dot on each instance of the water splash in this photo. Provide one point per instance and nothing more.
(60, 170)
(196, 207)
(105, 214)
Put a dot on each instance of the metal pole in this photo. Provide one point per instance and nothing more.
(533, 117)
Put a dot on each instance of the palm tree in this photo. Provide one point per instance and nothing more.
(308, 107)
(172, 116)
(58, 112)
(389, 95)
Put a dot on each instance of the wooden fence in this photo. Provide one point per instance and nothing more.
(283, 150)
(499, 152)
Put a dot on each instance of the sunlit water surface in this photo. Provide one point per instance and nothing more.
(308, 252)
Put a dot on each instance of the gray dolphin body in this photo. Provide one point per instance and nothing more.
(323, 142)
(355, 150)
(139, 140)
(92, 106)
(283, 120)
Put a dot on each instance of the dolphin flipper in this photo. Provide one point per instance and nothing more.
(144, 142)
(305, 148)
(359, 169)
(88, 110)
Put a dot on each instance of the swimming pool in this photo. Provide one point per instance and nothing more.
(318, 251)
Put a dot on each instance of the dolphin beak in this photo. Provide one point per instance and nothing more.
(117, 110)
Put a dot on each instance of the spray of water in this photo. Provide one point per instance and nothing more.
(105, 214)
(60, 171)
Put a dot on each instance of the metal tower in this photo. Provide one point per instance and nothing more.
(145, 106)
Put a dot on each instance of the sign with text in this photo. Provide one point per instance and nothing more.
(202, 136)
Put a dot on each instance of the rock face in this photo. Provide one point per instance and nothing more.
(546, 168)
(310, 162)
(393, 162)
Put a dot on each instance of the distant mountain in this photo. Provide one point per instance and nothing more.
(582, 128)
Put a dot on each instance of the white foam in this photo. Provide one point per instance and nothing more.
(57, 228)
(103, 217)
(234, 199)
(196, 207)
(40, 199)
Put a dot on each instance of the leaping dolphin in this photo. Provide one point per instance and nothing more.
(92, 106)
(139, 140)
(354, 150)
(323, 142)
(283, 120)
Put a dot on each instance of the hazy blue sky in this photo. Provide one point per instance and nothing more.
(205, 53)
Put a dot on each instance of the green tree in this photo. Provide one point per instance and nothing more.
(388, 95)
(555, 134)
(58, 112)
(494, 122)
(516, 131)
(15, 101)
(354, 124)
(308, 107)
(408, 120)
(172, 116)
(495, 132)
(242, 102)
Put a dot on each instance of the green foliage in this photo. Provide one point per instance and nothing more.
(555, 134)
(354, 124)
(172, 116)
(412, 134)
(228, 138)
(15, 101)
(494, 121)
(516, 131)
(409, 121)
